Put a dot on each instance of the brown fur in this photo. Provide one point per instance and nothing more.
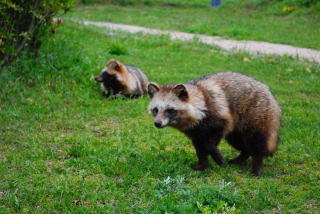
(118, 78)
(224, 105)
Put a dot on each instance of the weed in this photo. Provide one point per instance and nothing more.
(117, 49)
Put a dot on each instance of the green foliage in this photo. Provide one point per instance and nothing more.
(117, 49)
(300, 8)
(221, 208)
(222, 199)
(303, 3)
(25, 24)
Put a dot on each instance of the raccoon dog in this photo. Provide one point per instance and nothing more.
(225, 105)
(117, 77)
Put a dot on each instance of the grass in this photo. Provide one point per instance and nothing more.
(260, 20)
(66, 149)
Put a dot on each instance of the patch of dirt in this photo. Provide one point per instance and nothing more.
(253, 47)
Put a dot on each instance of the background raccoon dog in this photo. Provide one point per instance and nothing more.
(223, 105)
(117, 77)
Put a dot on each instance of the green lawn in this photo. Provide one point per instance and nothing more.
(66, 149)
(242, 20)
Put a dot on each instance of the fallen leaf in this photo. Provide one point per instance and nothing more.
(279, 75)
(289, 70)
(308, 70)
(290, 82)
(77, 202)
(246, 59)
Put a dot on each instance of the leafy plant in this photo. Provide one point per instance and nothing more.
(221, 208)
(25, 24)
(171, 186)
(117, 49)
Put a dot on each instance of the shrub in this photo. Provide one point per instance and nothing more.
(25, 24)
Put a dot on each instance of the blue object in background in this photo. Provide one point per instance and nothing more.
(215, 3)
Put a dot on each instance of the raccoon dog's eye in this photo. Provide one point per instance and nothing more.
(155, 111)
(170, 111)
(105, 75)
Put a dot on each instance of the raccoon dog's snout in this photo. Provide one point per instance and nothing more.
(98, 79)
(158, 124)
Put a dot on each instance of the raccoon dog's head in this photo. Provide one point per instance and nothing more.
(171, 105)
(111, 73)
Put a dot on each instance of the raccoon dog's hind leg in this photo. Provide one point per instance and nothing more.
(244, 155)
(235, 139)
(257, 143)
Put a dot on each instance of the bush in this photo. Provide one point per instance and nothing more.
(25, 24)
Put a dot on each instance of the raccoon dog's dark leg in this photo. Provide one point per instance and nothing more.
(108, 92)
(257, 142)
(202, 156)
(244, 155)
(212, 147)
(256, 165)
(105, 94)
(236, 140)
(216, 154)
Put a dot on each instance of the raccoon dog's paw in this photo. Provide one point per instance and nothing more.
(200, 167)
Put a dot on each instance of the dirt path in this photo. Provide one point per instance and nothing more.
(252, 47)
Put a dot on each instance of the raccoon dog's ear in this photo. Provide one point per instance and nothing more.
(181, 91)
(114, 64)
(152, 89)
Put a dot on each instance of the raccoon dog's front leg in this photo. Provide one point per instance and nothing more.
(205, 147)
(212, 147)
(202, 156)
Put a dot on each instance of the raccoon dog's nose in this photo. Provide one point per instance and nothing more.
(98, 79)
(157, 124)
